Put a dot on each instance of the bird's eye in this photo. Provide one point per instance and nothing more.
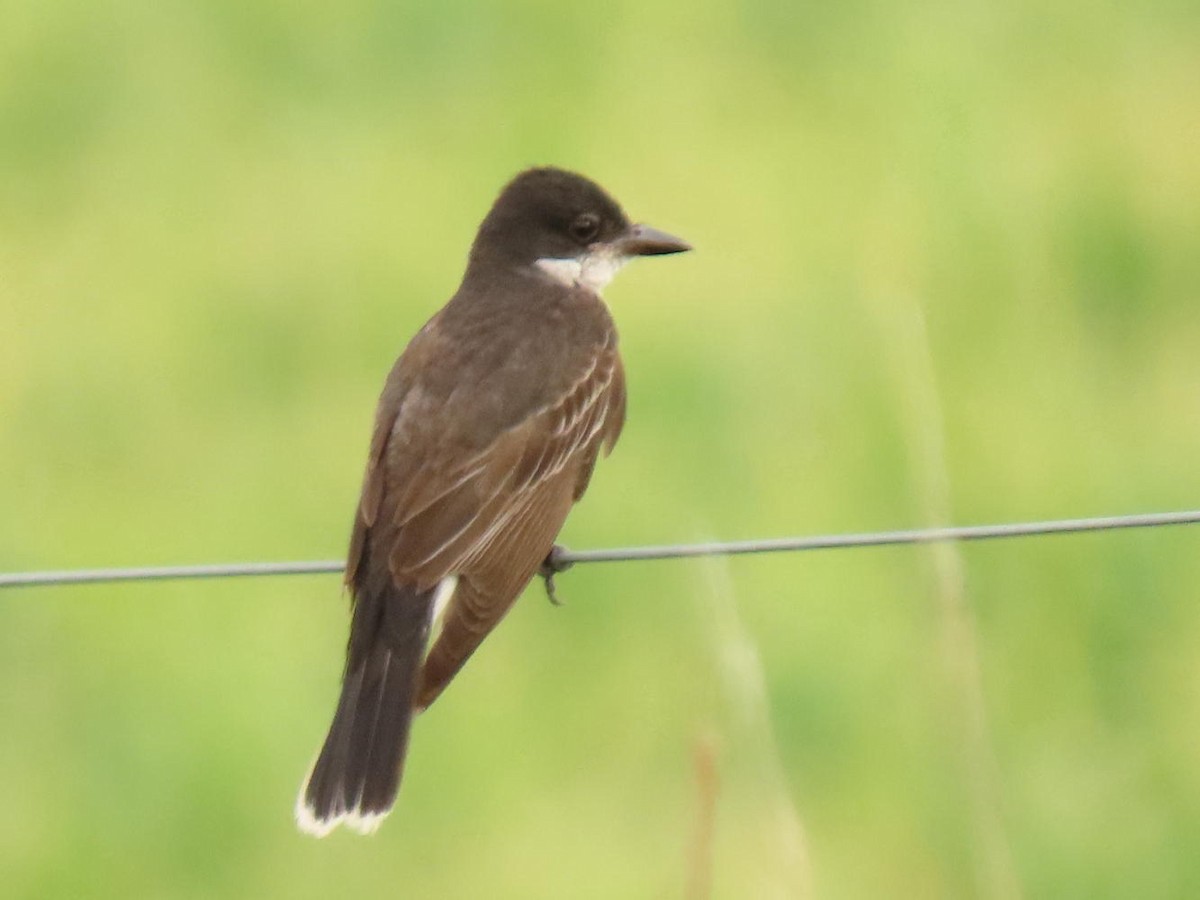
(585, 228)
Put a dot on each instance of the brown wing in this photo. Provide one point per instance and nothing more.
(502, 548)
(448, 490)
(498, 522)
(448, 517)
(386, 414)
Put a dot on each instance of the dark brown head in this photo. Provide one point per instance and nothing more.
(567, 226)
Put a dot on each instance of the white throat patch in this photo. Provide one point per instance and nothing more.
(592, 270)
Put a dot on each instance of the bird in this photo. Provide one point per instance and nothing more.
(486, 433)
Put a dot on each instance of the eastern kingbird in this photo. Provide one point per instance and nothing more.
(486, 433)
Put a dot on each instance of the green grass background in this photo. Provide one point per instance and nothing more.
(947, 269)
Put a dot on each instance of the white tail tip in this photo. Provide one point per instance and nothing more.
(355, 819)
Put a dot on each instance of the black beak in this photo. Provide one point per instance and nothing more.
(642, 240)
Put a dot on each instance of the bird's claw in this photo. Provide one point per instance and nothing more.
(552, 565)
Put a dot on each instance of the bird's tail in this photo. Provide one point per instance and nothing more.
(357, 773)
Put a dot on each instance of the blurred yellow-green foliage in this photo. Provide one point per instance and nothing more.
(948, 269)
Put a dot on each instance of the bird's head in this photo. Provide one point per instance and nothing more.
(567, 227)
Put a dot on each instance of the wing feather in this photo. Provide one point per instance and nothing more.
(451, 489)
(451, 516)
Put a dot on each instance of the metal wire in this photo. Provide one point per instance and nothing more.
(564, 557)
(162, 573)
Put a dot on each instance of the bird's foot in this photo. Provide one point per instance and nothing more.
(552, 565)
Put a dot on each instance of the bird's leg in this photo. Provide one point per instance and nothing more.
(551, 566)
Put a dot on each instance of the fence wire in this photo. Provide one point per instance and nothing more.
(564, 557)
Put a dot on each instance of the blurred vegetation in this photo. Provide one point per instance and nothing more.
(948, 267)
